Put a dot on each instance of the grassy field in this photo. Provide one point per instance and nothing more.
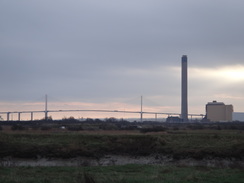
(120, 174)
(177, 143)
(181, 144)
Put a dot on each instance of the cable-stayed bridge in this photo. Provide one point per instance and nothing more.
(46, 111)
(89, 110)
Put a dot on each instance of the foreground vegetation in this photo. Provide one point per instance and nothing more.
(97, 139)
(120, 174)
(197, 144)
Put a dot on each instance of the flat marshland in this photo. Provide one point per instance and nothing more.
(225, 145)
(194, 144)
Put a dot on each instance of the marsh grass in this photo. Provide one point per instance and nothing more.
(120, 174)
(229, 144)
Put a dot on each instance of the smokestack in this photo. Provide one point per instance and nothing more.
(184, 103)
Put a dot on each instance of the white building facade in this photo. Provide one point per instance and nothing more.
(219, 112)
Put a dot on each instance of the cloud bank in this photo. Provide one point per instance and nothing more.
(108, 51)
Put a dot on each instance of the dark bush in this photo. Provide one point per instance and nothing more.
(17, 127)
(75, 128)
(175, 128)
(219, 128)
(98, 121)
(111, 120)
(35, 127)
(136, 145)
(1, 128)
(233, 127)
(108, 126)
(70, 119)
(154, 129)
(89, 120)
(44, 128)
(196, 127)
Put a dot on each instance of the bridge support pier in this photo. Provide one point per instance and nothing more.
(8, 116)
(31, 116)
(19, 116)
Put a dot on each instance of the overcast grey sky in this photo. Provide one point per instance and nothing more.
(104, 53)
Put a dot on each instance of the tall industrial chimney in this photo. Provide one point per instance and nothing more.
(184, 103)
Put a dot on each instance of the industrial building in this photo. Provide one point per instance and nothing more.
(218, 112)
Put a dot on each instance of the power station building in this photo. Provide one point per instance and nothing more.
(219, 112)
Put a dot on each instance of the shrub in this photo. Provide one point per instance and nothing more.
(154, 129)
(111, 120)
(175, 128)
(89, 120)
(75, 128)
(17, 127)
(108, 126)
(196, 126)
(70, 119)
(44, 128)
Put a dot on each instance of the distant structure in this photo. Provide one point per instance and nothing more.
(184, 100)
(173, 119)
(218, 112)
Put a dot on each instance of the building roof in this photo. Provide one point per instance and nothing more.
(215, 103)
